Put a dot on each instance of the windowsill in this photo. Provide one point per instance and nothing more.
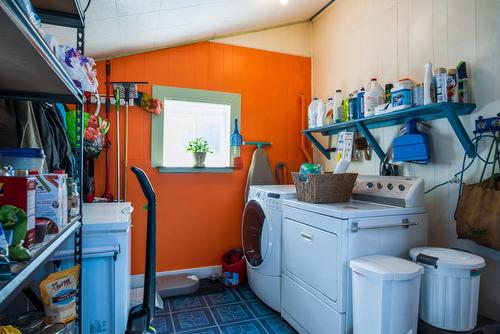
(190, 170)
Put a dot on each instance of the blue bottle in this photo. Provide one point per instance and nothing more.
(360, 105)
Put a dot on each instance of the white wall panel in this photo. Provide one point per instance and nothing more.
(393, 39)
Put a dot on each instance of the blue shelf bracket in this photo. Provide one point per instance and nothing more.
(460, 132)
(361, 126)
(318, 145)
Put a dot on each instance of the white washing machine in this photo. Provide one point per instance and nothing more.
(261, 239)
(386, 216)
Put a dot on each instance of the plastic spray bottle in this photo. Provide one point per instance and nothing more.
(337, 106)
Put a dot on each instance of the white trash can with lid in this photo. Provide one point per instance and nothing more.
(385, 293)
(450, 287)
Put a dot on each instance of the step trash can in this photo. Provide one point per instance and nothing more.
(450, 287)
(385, 294)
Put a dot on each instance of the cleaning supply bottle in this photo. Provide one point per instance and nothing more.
(236, 142)
(428, 85)
(353, 101)
(360, 105)
(337, 106)
(463, 83)
(329, 111)
(373, 97)
(441, 82)
(345, 108)
(320, 118)
(312, 113)
(452, 85)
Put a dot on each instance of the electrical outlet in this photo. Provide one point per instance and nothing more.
(485, 125)
(455, 180)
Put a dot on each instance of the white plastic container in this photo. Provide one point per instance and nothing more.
(385, 293)
(338, 112)
(450, 287)
(312, 113)
(374, 96)
(428, 84)
(401, 95)
(441, 85)
(22, 158)
(321, 117)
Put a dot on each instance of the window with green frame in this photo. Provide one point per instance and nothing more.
(189, 114)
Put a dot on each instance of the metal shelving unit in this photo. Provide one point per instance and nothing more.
(68, 13)
(40, 254)
(430, 112)
(30, 71)
(28, 68)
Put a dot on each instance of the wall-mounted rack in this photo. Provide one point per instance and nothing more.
(430, 112)
(259, 144)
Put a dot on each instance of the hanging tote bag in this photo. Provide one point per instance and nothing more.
(478, 212)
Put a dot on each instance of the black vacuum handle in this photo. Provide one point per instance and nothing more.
(150, 270)
(145, 184)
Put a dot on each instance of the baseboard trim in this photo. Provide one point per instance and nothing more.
(137, 281)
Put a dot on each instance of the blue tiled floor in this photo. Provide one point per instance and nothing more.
(234, 311)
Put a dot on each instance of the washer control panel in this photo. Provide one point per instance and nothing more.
(393, 190)
(273, 200)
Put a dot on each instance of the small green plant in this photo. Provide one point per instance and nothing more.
(198, 145)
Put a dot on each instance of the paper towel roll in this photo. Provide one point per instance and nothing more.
(51, 41)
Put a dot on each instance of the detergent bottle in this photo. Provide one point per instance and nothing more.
(374, 96)
(337, 106)
(329, 111)
(312, 113)
(345, 108)
(321, 117)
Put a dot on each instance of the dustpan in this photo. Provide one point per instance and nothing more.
(412, 146)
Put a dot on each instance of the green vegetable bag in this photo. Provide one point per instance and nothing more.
(15, 219)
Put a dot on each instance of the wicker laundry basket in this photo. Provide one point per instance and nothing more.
(325, 188)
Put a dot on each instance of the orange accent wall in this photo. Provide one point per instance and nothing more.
(199, 215)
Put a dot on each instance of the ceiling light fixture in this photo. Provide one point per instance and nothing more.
(284, 2)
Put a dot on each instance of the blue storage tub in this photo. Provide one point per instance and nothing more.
(22, 158)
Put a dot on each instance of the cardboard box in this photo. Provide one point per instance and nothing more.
(19, 191)
(50, 201)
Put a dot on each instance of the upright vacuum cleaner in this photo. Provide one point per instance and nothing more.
(141, 316)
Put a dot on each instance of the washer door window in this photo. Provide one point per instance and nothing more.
(255, 233)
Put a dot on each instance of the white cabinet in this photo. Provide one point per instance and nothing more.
(105, 267)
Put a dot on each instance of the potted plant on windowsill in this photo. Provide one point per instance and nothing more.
(199, 147)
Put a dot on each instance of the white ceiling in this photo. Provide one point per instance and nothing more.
(115, 27)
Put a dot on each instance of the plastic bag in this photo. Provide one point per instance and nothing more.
(307, 169)
(81, 69)
(15, 219)
(9, 330)
(58, 292)
(34, 18)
